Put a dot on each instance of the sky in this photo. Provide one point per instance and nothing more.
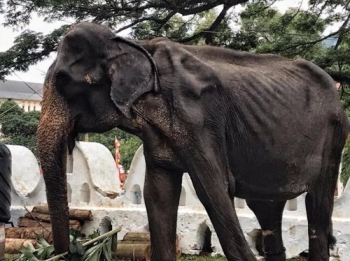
(36, 73)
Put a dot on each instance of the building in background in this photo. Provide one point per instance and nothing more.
(27, 95)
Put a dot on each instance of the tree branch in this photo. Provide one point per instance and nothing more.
(307, 43)
(342, 31)
(206, 7)
(209, 35)
(343, 77)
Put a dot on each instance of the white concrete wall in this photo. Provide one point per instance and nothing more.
(28, 187)
(92, 166)
(93, 179)
(136, 179)
(92, 176)
(192, 215)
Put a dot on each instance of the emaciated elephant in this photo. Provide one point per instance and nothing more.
(260, 127)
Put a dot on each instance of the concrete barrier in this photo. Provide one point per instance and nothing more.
(93, 184)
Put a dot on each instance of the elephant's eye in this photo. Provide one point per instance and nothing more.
(62, 79)
(76, 48)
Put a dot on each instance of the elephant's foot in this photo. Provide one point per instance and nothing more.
(281, 256)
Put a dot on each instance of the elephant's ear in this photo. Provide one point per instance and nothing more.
(132, 73)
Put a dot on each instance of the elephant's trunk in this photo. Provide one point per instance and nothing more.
(52, 135)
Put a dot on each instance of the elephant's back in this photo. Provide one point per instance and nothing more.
(282, 117)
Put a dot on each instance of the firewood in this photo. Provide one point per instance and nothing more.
(137, 236)
(29, 233)
(26, 222)
(46, 218)
(38, 216)
(131, 251)
(14, 245)
(79, 214)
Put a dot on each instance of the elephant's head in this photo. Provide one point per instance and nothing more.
(90, 87)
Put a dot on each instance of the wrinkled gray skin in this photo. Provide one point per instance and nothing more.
(259, 127)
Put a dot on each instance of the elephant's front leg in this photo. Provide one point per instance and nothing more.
(211, 182)
(162, 193)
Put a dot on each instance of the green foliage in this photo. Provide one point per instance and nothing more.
(128, 148)
(294, 33)
(153, 18)
(345, 170)
(128, 144)
(175, 29)
(18, 127)
(29, 48)
(9, 109)
(92, 248)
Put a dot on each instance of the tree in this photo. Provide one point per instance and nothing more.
(300, 33)
(18, 127)
(177, 19)
(128, 144)
(31, 47)
(259, 28)
(345, 170)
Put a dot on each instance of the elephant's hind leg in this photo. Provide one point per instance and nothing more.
(320, 199)
(269, 215)
(319, 212)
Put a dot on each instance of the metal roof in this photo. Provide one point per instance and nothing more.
(19, 90)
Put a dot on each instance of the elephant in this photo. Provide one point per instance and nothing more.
(255, 126)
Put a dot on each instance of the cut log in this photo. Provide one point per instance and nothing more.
(14, 245)
(29, 233)
(79, 214)
(137, 236)
(46, 218)
(38, 216)
(132, 242)
(26, 222)
(132, 251)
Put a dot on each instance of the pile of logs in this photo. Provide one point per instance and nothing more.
(136, 246)
(36, 224)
